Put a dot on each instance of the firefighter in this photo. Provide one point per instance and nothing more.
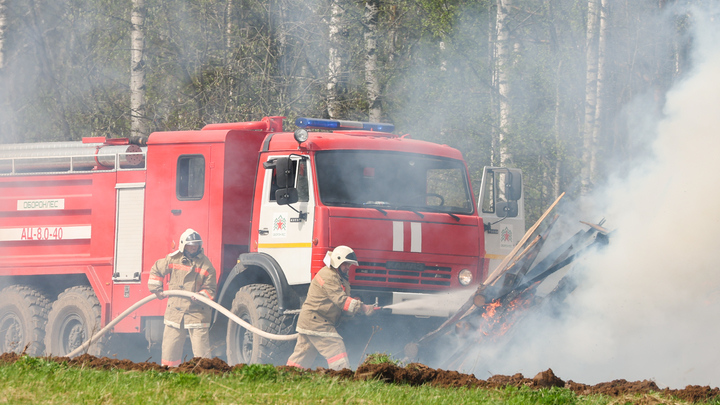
(328, 299)
(189, 270)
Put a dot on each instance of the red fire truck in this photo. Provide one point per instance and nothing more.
(81, 224)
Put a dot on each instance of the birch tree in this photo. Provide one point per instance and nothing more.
(3, 27)
(501, 154)
(558, 136)
(138, 122)
(591, 76)
(334, 58)
(228, 29)
(278, 38)
(601, 73)
(276, 16)
(392, 33)
(372, 81)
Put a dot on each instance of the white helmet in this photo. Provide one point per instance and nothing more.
(342, 254)
(189, 237)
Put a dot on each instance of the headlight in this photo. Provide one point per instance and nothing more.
(301, 135)
(465, 277)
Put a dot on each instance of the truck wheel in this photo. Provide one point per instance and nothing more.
(256, 304)
(73, 319)
(23, 315)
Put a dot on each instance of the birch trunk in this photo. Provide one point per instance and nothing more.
(372, 82)
(3, 27)
(557, 123)
(502, 58)
(601, 71)
(558, 139)
(280, 77)
(277, 30)
(392, 34)
(334, 59)
(228, 29)
(492, 73)
(591, 59)
(138, 122)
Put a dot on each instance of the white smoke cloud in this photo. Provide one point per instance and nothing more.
(648, 306)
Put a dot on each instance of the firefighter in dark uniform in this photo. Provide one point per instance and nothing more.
(189, 270)
(327, 301)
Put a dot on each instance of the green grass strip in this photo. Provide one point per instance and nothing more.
(36, 380)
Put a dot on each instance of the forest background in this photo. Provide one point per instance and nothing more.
(564, 89)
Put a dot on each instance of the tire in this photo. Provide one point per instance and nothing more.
(257, 304)
(23, 315)
(73, 319)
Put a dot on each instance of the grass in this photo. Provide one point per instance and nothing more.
(380, 358)
(36, 380)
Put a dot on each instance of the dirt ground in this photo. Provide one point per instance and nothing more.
(412, 374)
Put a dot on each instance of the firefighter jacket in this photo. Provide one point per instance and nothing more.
(328, 299)
(194, 274)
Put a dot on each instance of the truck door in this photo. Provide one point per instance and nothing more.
(177, 196)
(285, 231)
(190, 205)
(501, 206)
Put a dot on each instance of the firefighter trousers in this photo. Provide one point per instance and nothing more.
(308, 347)
(174, 340)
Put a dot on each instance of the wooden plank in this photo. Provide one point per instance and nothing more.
(596, 227)
(518, 258)
(498, 270)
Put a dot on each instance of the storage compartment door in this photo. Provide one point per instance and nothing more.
(129, 232)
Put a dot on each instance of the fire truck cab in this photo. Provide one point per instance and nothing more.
(81, 224)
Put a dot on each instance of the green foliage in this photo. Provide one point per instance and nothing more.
(68, 69)
(258, 372)
(381, 358)
(39, 363)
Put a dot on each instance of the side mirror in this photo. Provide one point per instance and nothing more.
(283, 172)
(507, 209)
(513, 187)
(286, 196)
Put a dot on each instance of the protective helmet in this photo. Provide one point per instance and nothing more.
(189, 237)
(342, 254)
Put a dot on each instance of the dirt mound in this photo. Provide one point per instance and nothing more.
(416, 374)
(199, 366)
(547, 379)
(694, 393)
(90, 361)
(105, 363)
(413, 374)
(691, 393)
(614, 388)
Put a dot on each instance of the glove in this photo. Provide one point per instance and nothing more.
(368, 310)
(160, 295)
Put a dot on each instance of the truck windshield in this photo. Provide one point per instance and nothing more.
(393, 180)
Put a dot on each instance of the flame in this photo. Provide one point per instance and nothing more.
(490, 310)
(498, 318)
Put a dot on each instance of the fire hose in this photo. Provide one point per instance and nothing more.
(178, 293)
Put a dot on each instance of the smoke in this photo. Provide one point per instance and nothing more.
(647, 306)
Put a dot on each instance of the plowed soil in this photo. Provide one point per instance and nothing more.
(412, 374)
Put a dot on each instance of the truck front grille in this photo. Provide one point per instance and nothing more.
(403, 272)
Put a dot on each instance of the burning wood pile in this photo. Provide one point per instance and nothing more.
(511, 288)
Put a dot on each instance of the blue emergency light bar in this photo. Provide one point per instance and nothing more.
(317, 123)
